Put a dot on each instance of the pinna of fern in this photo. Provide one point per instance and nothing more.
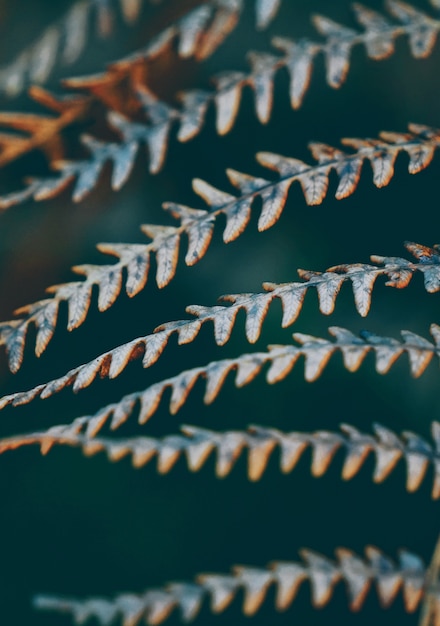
(190, 117)
(280, 360)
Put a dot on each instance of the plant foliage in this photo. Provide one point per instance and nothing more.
(160, 106)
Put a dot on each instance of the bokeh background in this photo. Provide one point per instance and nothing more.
(83, 526)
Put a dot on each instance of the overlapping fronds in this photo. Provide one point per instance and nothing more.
(190, 117)
(38, 130)
(63, 41)
(198, 33)
(198, 444)
(280, 358)
(198, 225)
(362, 276)
(155, 605)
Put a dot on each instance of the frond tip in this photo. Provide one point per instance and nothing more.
(154, 606)
(197, 445)
(281, 359)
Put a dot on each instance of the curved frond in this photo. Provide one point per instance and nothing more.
(362, 276)
(198, 444)
(281, 359)
(155, 605)
(298, 57)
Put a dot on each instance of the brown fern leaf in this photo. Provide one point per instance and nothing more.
(281, 358)
(44, 314)
(198, 33)
(154, 606)
(42, 131)
(198, 444)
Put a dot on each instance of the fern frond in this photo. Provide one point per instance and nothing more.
(66, 39)
(419, 143)
(280, 358)
(43, 314)
(63, 40)
(198, 33)
(298, 58)
(198, 444)
(155, 605)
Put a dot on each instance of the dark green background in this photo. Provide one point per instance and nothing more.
(79, 526)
